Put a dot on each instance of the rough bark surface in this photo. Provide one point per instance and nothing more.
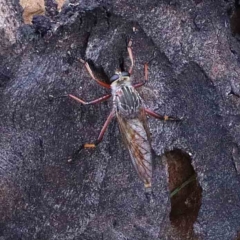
(194, 74)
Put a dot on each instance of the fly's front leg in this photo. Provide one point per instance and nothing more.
(164, 118)
(99, 139)
(103, 84)
(145, 77)
(130, 56)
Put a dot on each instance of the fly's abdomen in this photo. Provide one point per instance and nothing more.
(140, 150)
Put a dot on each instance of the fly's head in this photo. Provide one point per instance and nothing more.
(120, 79)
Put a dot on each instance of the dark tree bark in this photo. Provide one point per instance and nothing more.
(193, 74)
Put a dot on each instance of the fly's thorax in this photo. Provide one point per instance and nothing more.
(120, 79)
(119, 83)
(127, 101)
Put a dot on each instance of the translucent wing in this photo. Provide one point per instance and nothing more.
(136, 137)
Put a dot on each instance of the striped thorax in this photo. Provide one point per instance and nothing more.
(126, 99)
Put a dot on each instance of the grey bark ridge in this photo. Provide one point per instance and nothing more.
(193, 73)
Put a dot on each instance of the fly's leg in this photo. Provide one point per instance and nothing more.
(92, 75)
(130, 56)
(164, 118)
(98, 100)
(99, 139)
(94, 144)
(145, 77)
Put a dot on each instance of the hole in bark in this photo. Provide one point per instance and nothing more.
(186, 193)
(235, 19)
(3, 10)
(197, 1)
(115, 223)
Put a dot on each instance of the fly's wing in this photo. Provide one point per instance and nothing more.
(136, 137)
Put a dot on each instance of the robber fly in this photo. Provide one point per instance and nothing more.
(131, 112)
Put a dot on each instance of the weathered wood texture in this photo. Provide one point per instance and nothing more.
(194, 73)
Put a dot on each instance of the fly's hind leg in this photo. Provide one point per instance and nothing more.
(161, 117)
(95, 143)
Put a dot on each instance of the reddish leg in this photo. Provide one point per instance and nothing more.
(145, 77)
(156, 115)
(99, 139)
(98, 100)
(130, 56)
(93, 77)
(101, 99)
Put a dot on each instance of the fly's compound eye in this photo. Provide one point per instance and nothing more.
(125, 74)
(114, 78)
